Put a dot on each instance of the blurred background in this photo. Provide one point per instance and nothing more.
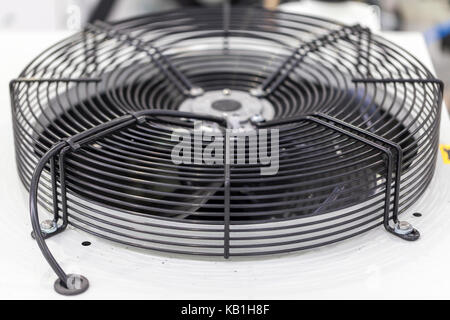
(430, 17)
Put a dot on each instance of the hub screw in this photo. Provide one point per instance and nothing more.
(226, 92)
(196, 92)
(257, 118)
(403, 228)
(49, 227)
(257, 92)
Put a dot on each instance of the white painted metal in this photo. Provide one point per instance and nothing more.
(349, 12)
(374, 265)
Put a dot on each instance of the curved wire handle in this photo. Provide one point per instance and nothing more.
(76, 284)
(376, 142)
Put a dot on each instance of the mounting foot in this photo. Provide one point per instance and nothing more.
(406, 231)
(49, 229)
(76, 285)
(45, 236)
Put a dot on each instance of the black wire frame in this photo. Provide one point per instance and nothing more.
(55, 157)
(392, 157)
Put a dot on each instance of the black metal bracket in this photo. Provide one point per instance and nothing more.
(300, 53)
(77, 284)
(389, 148)
(403, 229)
(181, 82)
(55, 227)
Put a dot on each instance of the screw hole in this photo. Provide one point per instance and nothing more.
(417, 215)
(86, 244)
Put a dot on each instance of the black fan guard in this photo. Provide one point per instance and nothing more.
(358, 119)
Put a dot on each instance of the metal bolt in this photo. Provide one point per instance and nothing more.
(226, 92)
(257, 118)
(49, 226)
(74, 282)
(257, 92)
(196, 92)
(403, 228)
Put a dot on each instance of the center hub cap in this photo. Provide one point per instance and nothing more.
(239, 105)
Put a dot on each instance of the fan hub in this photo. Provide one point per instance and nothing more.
(238, 105)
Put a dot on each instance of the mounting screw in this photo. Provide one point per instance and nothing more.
(76, 285)
(257, 92)
(196, 92)
(403, 228)
(257, 119)
(226, 92)
(405, 231)
(49, 227)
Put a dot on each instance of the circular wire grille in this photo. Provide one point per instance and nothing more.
(125, 187)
